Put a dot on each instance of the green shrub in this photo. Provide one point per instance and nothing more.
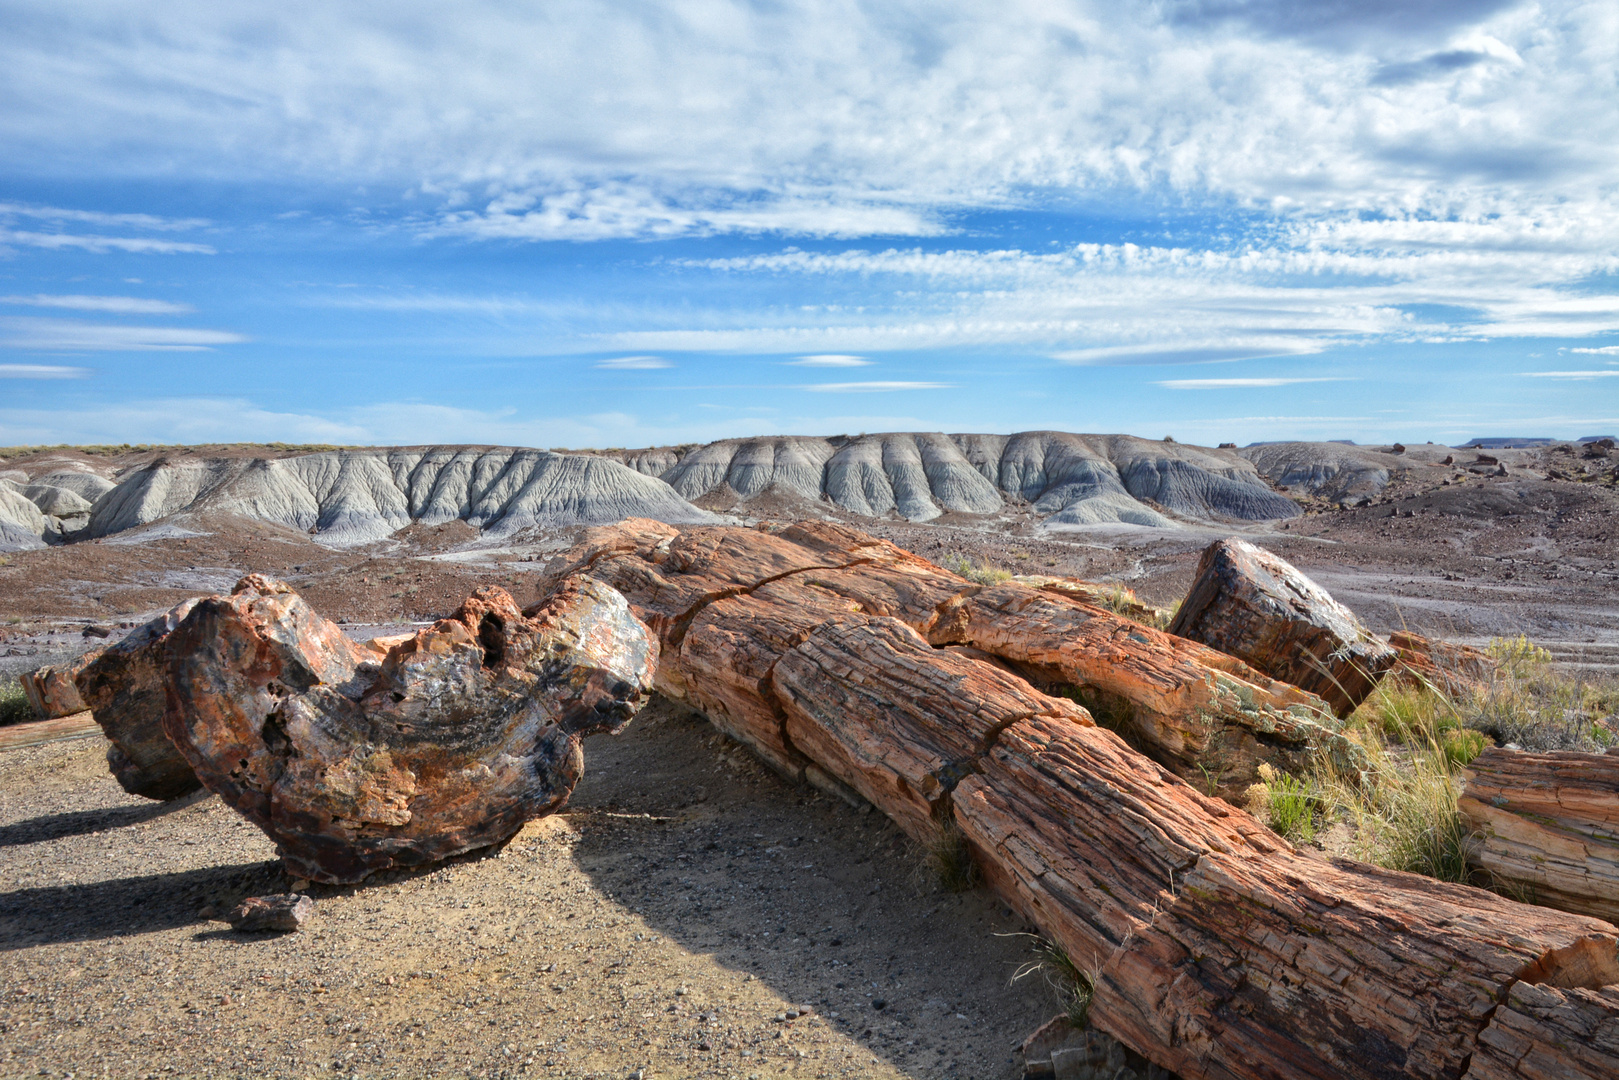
(14, 706)
(977, 573)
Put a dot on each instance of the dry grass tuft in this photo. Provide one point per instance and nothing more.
(14, 706)
(977, 573)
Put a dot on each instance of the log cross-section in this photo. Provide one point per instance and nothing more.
(1216, 948)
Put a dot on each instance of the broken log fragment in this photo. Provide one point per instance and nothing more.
(1543, 1032)
(280, 912)
(454, 740)
(123, 688)
(1449, 667)
(1217, 949)
(1252, 604)
(51, 689)
(1547, 825)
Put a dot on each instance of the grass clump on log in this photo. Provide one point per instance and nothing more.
(1073, 986)
(977, 573)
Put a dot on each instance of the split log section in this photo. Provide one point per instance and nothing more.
(1548, 824)
(1217, 950)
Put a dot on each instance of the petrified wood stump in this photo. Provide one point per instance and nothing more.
(1217, 949)
(1252, 604)
(51, 690)
(727, 602)
(123, 687)
(1548, 824)
(455, 739)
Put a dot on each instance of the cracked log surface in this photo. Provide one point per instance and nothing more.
(123, 688)
(726, 602)
(1218, 949)
(451, 742)
(52, 691)
(1549, 825)
(1545, 1032)
(1252, 604)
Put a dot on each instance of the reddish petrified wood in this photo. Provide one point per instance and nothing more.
(1254, 605)
(1447, 666)
(51, 690)
(1547, 825)
(124, 688)
(726, 602)
(1217, 949)
(1542, 1032)
(452, 742)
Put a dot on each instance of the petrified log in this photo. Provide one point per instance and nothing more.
(51, 690)
(455, 739)
(123, 687)
(1252, 604)
(727, 602)
(1548, 825)
(1450, 667)
(1216, 949)
(1540, 1031)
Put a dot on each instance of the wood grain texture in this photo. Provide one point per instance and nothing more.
(455, 739)
(1218, 949)
(1540, 1032)
(51, 690)
(1548, 824)
(1255, 605)
(34, 732)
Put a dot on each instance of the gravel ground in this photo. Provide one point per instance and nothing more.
(667, 925)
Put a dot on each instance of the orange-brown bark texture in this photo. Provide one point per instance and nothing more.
(355, 763)
(1216, 948)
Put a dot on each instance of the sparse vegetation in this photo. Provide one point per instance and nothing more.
(1417, 740)
(1072, 985)
(1126, 604)
(14, 707)
(977, 573)
(952, 859)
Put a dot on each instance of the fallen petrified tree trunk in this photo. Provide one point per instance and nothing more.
(1548, 824)
(1252, 604)
(1540, 1031)
(123, 687)
(1217, 950)
(1447, 666)
(458, 737)
(726, 603)
(51, 690)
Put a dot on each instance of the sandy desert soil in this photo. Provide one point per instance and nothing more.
(668, 923)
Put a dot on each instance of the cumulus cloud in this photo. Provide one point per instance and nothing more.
(118, 305)
(72, 335)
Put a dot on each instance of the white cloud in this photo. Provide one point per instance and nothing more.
(837, 118)
(873, 387)
(1597, 374)
(97, 217)
(72, 335)
(634, 363)
(119, 305)
(1606, 350)
(834, 360)
(1241, 384)
(42, 371)
(1186, 353)
(100, 245)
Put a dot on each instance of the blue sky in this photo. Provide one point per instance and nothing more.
(634, 224)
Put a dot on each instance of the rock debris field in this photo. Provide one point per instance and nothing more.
(670, 923)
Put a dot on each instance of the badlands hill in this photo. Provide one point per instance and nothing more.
(344, 497)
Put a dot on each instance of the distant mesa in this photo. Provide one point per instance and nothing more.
(1506, 442)
(349, 497)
